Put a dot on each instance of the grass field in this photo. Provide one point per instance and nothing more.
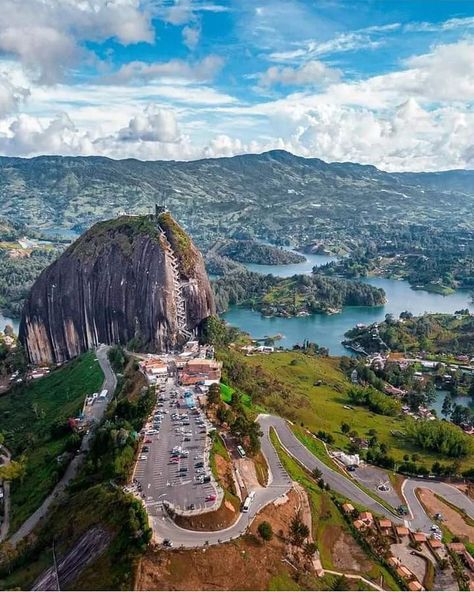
(26, 416)
(219, 449)
(323, 407)
(227, 393)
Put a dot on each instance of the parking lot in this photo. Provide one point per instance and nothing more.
(173, 464)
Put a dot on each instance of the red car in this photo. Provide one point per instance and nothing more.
(211, 498)
(148, 441)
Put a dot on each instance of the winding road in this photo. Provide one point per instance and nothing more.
(110, 383)
(280, 483)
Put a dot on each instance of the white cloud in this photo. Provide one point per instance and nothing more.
(313, 73)
(449, 25)
(47, 36)
(10, 95)
(180, 13)
(154, 125)
(137, 71)
(27, 135)
(342, 42)
(191, 36)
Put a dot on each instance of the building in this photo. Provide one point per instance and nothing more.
(385, 527)
(402, 531)
(349, 460)
(347, 508)
(155, 369)
(366, 518)
(200, 370)
(404, 573)
(460, 550)
(393, 561)
(415, 585)
(418, 537)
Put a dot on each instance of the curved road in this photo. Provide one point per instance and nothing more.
(110, 383)
(280, 484)
(419, 519)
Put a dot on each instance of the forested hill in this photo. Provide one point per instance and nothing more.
(274, 195)
(299, 295)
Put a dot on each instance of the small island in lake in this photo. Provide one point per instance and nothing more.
(252, 251)
(299, 295)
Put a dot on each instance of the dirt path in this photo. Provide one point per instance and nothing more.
(248, 473)
(452, 519)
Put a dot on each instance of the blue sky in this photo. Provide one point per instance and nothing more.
(380, 82)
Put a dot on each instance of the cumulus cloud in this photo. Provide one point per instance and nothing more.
(446, 73)
(154, 125)
(11, 95)
(47, 35)
(28, 135)
(409, 138)
(137, 71)
(313, 73)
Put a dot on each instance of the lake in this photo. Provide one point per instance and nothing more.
(293, 268)
(440, 396)
(15, 323)
(328, 330)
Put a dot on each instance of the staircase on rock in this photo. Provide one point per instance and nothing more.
(178, 286)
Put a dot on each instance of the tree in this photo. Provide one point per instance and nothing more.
(317, 473)
(309, 550)
(14, 470)
(340, 583)
(298, 531)
(345, 428)
(214, 394)
(265, 531)
(447, 407)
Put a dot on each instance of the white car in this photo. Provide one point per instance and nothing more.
(142, 457)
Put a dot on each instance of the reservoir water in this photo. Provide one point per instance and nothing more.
(440, 396)
(15, 323)
(328, 330)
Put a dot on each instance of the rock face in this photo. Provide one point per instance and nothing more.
(133, 279)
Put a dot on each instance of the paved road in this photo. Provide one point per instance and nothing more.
(336, 481)
(110, 382)
(452, 494)
(279, 484)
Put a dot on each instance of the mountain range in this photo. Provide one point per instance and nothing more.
(275, 195)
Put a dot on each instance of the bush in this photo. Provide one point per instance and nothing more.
(439, 436)
(265, 531)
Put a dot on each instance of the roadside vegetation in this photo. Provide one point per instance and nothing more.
(95, 498)
(34, 421)
(328, 524)
(312, 391)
